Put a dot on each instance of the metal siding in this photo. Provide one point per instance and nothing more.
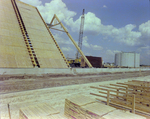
(127, 59)
(137, 60)
(130, 62)
(117, 59)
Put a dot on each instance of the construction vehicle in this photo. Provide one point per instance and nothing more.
(74, 62)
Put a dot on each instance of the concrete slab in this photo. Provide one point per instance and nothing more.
(74, 71)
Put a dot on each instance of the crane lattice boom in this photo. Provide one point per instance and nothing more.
(80, 34)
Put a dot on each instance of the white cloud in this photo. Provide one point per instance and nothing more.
(96, 47)
(104, 6)
(144, 28)
(148, 52)
(123, 35)
(90, 46)
(116, 51)
(144, 50)
(61, 40)
(109, 55)
(93, 25)
(68, 49)
(85, 43)
(49, 9)
(88, 54)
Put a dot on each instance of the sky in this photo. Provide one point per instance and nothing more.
(110, 26)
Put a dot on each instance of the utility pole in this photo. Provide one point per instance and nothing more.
(80, 34)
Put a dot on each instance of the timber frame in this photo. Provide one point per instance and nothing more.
(65, 30)
(132, 95)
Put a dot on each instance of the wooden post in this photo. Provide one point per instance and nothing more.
(126, 93)
(108, 94)
(133, 103)
(117, 92)
(9, 112)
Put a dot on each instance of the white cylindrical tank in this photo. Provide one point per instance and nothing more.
(127, 59)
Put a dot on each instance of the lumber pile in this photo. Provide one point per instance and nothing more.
(39, 111)
(83, 107)
(73, 106)
(118, 114)
(132, 95)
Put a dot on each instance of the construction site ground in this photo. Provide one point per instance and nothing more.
(20, 91)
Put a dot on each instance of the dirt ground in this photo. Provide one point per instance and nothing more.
(10, 84)
(21, 91)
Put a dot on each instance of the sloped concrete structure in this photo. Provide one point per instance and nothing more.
(25, 39)
(13, 51)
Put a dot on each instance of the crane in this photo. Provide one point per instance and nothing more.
(80, 34)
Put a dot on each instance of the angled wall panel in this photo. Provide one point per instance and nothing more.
(46, 51)
(13, 51)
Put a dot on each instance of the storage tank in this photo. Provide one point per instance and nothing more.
(127, 59)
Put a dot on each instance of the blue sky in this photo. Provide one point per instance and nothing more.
(111, 26)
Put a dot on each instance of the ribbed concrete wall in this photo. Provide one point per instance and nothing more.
(25, 39)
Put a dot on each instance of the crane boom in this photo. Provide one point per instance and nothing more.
(80, 34)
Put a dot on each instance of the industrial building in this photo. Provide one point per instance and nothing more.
(95, 61)
(127, 59)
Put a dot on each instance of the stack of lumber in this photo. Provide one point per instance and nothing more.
(118, 114)
(39, 111)
(83, 107)
(73, 106)
(132, 95)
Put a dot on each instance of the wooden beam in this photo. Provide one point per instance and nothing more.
(9, 111)
(57, 29)
(136, 110)
(133, 96)
(133, 104)
(108, 87)
(102, 89)
(98, 95)
(140, 81)
(108, 97)
(75, 44)
(134, 85)
(102, 92)
(118, 85)
(50, 25)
